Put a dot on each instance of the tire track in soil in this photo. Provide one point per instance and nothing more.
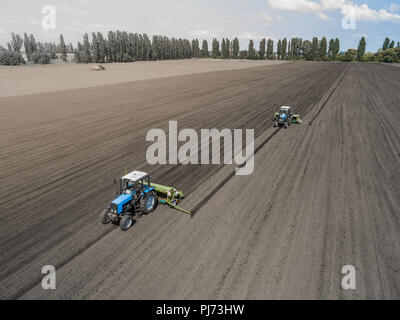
(97, 238)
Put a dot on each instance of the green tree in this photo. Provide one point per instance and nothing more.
(10, 58)
(322, 50)
(361, 48)
(284, 49)
(368, 57)
(261, 52)
(252, 51)
(337, 47)
(314, 48)
(63, 49)
(215, 49)
(331, 49)
(102, 47)
(279, 49)
(296, 48)
(228, 47)
(204, 49)
(390, 55)
(270, 49)
(235, 48)
(391, 45)
(307, 50)
(40, 57)
(195, 48)
(16, 42)
(386, 44)
(350, 55)
(225, 48)
(146, 52)
(86, 48)
(334, 48)
(32, 43)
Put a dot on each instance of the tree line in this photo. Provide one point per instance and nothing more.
(286, 49)
(128, 47)
(121, 46)
(36, 52)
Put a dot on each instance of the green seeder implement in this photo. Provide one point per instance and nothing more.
(169, 196)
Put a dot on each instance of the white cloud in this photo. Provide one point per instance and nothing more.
(79, 26)
(364, 13)
(323, 16)
(204, 34)
(72, 12)
(253, 36)
(319, 7)
(244, 3)
(262, 17)
(394, 7)
(295, 5)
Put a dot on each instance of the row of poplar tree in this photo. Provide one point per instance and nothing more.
(294, 48)
(44, 50)
(127, 47)
(120, 46)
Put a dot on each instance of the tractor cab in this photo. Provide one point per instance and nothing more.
(133, 183)
(284, 117)
(286, 110)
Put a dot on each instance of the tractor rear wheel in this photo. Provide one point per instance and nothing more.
(105, 216)
(149, 203)
(126, 222)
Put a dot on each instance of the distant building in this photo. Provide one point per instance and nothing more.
(70, 58)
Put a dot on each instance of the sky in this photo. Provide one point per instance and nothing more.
(206, 19)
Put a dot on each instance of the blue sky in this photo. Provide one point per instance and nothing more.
(246, 19)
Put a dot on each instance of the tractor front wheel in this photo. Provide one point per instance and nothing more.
(126, 222)
(105, 216)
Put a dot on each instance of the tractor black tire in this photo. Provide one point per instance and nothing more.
(104, 216)
(126, 222)
(144, 208)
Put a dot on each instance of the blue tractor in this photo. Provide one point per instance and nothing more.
(135, 197)
(284, 117)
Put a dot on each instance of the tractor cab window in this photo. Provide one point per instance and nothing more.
(124, 186)
(146, 182)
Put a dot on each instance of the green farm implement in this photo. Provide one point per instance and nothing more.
(169, 196)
